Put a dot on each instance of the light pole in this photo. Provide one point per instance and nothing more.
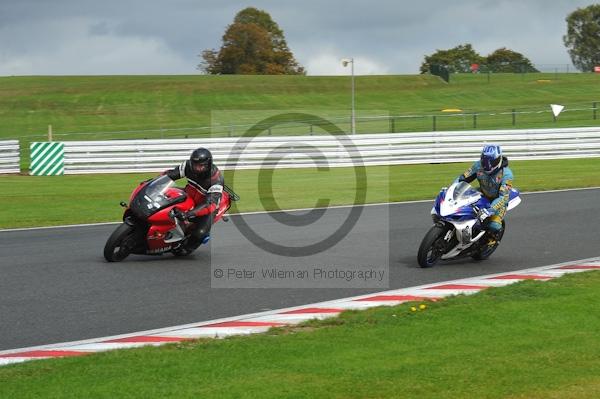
(345, 62)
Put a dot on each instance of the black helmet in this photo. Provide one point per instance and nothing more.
(201, 161)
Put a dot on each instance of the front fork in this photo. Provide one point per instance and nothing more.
(138, 242)
(446, 242)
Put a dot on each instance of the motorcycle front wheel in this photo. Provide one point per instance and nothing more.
(119, 245)
(432, 246)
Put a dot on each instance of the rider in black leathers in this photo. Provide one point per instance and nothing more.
(205, 187)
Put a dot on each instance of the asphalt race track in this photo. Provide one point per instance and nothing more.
(55, 285)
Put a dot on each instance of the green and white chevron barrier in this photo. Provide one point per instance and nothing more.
(47, 159)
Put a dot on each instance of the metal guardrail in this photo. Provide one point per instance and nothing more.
(9, 156)
(122, 156)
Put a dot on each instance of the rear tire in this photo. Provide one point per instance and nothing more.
(487, 251)
(119, 245)
(430, 249)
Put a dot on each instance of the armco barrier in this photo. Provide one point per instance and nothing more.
(9, 156)
(119, 156)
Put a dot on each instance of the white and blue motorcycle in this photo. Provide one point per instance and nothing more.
(460, 214)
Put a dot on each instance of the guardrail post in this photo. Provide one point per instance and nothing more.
(434, 123)
(514, 117)
(474, 121)
(594, 108)
(393, 125)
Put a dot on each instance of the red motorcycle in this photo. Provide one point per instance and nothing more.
(153, 222)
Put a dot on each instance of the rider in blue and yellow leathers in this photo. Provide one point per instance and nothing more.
(495, 181)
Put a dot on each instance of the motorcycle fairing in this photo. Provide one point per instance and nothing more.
(455, 205)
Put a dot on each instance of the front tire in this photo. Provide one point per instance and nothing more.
(431, 248)
(119, 245)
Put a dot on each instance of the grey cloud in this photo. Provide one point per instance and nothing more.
(100, 29)
(394, 35)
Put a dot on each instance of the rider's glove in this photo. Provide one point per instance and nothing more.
(177, 213)
(483, 214)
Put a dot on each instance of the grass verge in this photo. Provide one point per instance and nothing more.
(528, 340)
(56, 200)
(88, 104)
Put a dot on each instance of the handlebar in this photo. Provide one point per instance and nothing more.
(176, 213)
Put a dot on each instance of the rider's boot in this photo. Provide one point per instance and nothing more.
(493, 229)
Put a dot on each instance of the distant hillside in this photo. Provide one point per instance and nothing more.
(123, 103)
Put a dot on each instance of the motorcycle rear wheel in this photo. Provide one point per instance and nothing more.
(117, 248)
(430, 250)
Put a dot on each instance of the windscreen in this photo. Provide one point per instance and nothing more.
(155, 189)
(463, 190)
(152, 197)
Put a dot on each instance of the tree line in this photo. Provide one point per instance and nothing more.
(255, 44)
(463, 58)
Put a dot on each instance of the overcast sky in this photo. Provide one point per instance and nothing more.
(81, 37)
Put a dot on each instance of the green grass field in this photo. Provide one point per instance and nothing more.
(38, 201)
(531, 340)
(124, 103)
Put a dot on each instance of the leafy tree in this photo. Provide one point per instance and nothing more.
(209, 63)
(583, 37)
(461, 57)
(252, 44)
(506, 60)
(261, 18)
(457, 59)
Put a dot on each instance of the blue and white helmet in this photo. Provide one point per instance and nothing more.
(491, 158)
